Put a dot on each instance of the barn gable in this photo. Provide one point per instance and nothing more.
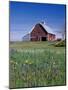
(38, 32)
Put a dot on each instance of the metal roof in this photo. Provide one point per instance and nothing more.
(47, 28)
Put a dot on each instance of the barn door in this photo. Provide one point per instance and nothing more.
(44, 39)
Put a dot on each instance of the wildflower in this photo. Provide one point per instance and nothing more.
(13, 62)
(16, 63)
(30, 62)
(53, 63)
(26, 61)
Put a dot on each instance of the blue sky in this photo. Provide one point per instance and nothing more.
(23, 16)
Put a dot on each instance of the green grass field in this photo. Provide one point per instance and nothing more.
(34, 64)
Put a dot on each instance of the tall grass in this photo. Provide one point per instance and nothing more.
(31, 67)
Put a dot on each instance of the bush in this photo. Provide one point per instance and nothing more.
(60, 43)
(59, 39)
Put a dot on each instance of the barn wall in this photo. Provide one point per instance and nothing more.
(37, 33)
(50, 37)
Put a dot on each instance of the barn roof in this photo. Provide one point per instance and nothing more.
(47, 28)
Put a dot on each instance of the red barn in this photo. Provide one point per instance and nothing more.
(42, 32)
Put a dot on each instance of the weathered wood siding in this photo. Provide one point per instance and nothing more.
(50, 37)
(37, 33)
